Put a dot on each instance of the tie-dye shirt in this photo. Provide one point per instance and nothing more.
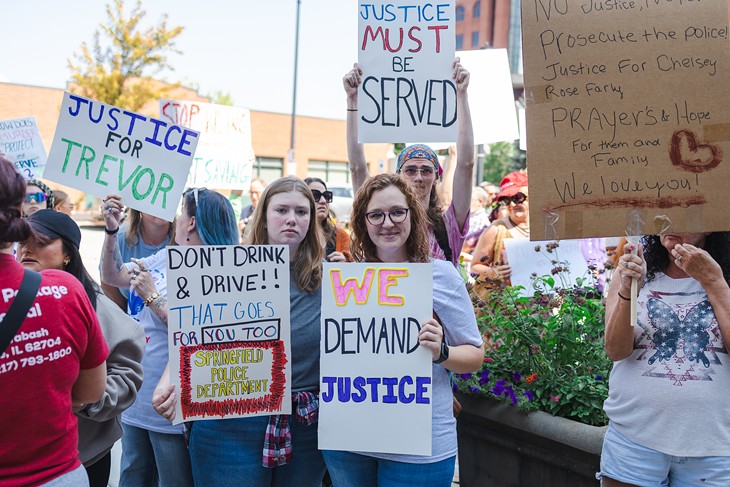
(671, 393)
(456, 236)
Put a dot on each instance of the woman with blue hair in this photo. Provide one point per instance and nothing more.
(154, 451)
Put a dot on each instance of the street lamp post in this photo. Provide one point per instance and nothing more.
(291, 161)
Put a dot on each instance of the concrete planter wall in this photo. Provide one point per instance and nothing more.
(501, 446)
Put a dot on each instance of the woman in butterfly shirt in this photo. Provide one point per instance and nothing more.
(667, 401)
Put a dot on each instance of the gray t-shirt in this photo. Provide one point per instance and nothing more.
(453, 306)
(305, 314)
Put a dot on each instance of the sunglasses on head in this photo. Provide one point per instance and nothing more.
(517, 199)
(195, 192)
(318, 194)
(39, 197)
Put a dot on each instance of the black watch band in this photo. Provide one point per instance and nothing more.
(444, 354)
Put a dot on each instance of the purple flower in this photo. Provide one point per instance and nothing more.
(529, 395)
(498, 388)
(484, 380)
(474, 389)
(599, 378)
(466, 376)
(516, 377)
(455, 388)
(510, 393)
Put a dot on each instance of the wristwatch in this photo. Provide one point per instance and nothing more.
(444, 353)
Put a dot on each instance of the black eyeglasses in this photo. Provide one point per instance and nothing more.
(377, 217)
(39, 197)
(517, 199)
(413, 170)
(318, 194)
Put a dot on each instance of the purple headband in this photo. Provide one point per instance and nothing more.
(418, 151)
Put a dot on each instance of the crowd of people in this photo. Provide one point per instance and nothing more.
(107, 375)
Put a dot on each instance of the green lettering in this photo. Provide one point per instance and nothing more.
(85, 159)
(103, 169)
(164, 178)
(71, 144)
(124, 184)
(137, 195)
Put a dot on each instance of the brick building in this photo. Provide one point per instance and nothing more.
(320, 143)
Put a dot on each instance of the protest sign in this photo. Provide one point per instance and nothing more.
(406, 52)
(229, 330)
(224, 157)
(494, 116)
(21, 144)
(371, 365)
(102, 149)
(526, 261)
(627, 107)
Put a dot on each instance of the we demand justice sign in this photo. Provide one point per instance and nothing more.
(229, 330)
(375, 378)
(102, 149)
(406, 51)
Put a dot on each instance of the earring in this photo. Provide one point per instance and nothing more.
(187, 239)
(66, 262)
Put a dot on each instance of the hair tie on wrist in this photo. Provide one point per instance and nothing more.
(111, 232)
(352, 109)
(623, 297)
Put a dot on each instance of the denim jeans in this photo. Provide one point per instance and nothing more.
(75, 478)
(151, 459)
(228, 453)
(349, 469)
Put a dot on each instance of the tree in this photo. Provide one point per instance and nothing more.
(119, 71)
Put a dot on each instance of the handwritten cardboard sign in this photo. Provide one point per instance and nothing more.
(627, 107)
(375, 379)
(406, 51)
(102, 149)
(229, 330)
(224, 157)
(21, 144)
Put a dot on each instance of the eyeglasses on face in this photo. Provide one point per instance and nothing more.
(517, 199)
(413, 170)
(39, 197)
(328, 195)
(377, 217)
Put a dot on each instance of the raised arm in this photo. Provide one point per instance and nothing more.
(463, 173)
(355, 150)
(112, 267)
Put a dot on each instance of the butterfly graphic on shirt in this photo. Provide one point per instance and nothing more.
(693, 330)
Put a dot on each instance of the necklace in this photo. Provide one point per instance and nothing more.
(525, 232)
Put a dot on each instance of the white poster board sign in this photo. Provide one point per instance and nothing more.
(21, 144)
(375, 379)
(406, 51)
(525, 261)
(102, 149)
(224, 157)
(229, 330)
(491, 98)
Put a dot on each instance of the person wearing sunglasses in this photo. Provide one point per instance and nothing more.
(152, 448)
(420, 166)
(489, 258)
(38, 196)
(337, 241)
(390, 225)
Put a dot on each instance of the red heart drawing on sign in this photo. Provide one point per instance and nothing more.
(687, 154)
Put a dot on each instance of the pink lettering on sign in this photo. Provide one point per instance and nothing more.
(359, 290)
(386, 279)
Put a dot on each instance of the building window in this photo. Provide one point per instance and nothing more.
(459, 42)
(477, 10)
(268, 168)
(475, 39)
(330, 172)
(459, 13)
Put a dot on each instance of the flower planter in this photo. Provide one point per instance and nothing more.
(501, 446)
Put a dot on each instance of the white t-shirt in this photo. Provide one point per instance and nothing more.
(671, 393)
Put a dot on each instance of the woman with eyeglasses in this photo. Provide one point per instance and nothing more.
(278, 450)
(154, 452)
(489, 258)
(337, 240)
(420, 166)
(390, 225)
(37, 197)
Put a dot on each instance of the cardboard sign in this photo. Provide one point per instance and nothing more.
(406, 51)
(21, 144)
(102, 149)
(224, 157)
(375, 379)
(229, 330)
(627, 107)
(493, 113)
(525, 261)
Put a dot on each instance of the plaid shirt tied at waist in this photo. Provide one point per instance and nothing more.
(277, 442)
